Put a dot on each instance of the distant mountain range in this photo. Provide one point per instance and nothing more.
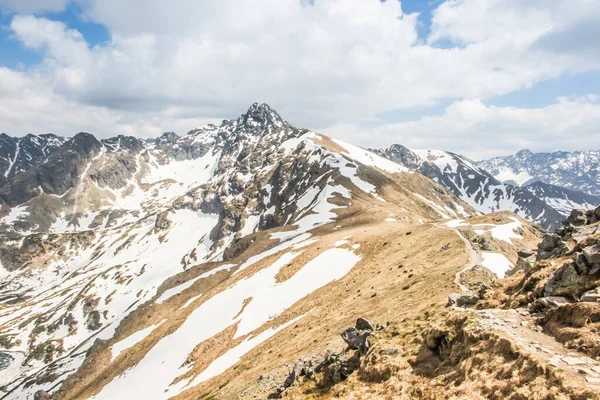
(578, 170)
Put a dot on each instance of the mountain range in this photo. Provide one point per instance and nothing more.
(209, 264)
(578, 171)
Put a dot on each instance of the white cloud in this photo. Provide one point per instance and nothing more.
(478, 131)
(322, 64)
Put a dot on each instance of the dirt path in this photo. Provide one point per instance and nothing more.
(521, 328)
(474, 259)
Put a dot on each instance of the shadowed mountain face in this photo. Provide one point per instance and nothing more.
(578, 171)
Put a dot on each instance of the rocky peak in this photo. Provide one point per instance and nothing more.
(167, 137)
(402, 155)
(262, 118)
(83, 143)
(126, 143)
(524, 153)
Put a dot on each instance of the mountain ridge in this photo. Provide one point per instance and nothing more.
(578, 170)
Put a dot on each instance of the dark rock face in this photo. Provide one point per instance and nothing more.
(56, 175)
(19, 154)
(116, 170)
(128, 143)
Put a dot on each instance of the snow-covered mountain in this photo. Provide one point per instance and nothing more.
(19, 154)
(561, 199)
(474, 185)
(576, 171)
(123, 257)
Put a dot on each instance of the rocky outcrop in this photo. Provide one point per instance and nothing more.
(56, 175)
(19, 154)
(333, 367)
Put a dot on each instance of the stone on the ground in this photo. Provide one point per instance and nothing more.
(452, 299)
(356, 340)
(592, 296)
(468, 298)
(364, 325)
(525, 253)
(564, 277)
(577, 218)
(592, 254)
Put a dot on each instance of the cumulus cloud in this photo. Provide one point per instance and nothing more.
(318, 64)
(477, 130)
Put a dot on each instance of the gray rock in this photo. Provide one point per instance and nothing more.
(549, 242)
(452, 299)
(41, 395)
(592, 254)
(466, 299)
(93, 320)
(564, 277)
(577, 218)
(525, 253)
(523, 264)
(591, 296)
(355, 340)
(581, 263)
(364, 325)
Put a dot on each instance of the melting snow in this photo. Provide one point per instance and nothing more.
(497, 263)
(132, 340)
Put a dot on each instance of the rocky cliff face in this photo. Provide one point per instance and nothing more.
(19, 154)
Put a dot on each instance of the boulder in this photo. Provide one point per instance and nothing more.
(563, 278)
(549, 242)
(577, 218)
(523, 264)
(468, 298)
(544, 303)
(592, 254)
(364, 325)
(525, 253)
(452, 299)
(591, 296)
(581, 263)
(41, 395)
(355, 340)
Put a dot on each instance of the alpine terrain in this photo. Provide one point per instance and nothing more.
(576, 171)
(254, 259)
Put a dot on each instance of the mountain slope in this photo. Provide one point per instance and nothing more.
(473, 185)
(19, 154)
(562, 200)
(102, 240)
(576, 171)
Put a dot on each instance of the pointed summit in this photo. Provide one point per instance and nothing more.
(262, 116)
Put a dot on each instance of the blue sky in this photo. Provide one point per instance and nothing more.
(367, 71)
